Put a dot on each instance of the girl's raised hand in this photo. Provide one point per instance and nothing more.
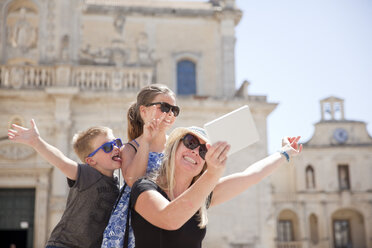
(152, 124)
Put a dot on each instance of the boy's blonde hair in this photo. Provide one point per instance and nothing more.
(83, 140)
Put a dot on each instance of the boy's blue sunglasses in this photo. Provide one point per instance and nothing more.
(108, 146)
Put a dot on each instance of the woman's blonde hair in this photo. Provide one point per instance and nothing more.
(165, 178)
(145, 96)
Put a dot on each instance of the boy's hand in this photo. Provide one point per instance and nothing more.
(24, 135)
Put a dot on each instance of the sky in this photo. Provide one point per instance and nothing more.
(300, 52)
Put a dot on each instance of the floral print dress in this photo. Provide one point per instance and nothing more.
(113, 236)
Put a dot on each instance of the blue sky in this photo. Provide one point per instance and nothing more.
(299, 52)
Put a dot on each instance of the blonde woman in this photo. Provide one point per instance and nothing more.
(170, 210)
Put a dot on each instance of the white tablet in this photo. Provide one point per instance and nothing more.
(236, 128)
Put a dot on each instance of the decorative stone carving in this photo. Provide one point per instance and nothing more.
(143, 50)
(23, 35)
(119, 23)
(16, 151)
(115, 54)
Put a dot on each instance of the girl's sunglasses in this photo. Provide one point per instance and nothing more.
(108, 146)
(191, 142)
(166, 107)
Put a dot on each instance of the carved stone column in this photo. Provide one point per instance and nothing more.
(41, 208)
(304, 226)
(227, 26)
(325, 238)
(59, 190)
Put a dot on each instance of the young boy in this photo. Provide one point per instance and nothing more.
(93, 190)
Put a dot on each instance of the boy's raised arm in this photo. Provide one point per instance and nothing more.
(31, 137)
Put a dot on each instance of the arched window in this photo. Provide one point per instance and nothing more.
(310, 177)
(186, 77)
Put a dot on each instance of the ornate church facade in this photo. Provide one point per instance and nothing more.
(71, 64)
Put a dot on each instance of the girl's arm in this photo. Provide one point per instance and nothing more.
(134, 163)
(54, 156)
(171, 215)
(230, 186)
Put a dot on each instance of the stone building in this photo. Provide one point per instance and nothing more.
(71, 64)
(324, 199)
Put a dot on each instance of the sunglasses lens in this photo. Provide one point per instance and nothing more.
(118, 143)
(202, 151)
(165, 107)
(190, 141)
(107, 147)
(176, 110)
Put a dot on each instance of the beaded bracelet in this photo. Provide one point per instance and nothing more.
(135, 141)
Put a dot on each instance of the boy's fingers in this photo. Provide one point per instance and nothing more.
(18, 128)
(32, 123)
(11, 131)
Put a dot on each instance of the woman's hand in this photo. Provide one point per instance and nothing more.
(216, 157)
(291, 146)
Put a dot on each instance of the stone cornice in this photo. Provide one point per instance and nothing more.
(180, 9)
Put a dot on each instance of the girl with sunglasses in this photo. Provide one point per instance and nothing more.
(169, 210)
(149, 118)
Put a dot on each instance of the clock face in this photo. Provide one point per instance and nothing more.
(340, 135)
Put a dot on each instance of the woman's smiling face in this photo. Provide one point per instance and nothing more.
(189, 161)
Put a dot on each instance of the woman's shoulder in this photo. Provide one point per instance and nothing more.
(144, 183)
(141, 185)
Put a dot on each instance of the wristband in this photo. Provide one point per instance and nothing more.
(285, 154)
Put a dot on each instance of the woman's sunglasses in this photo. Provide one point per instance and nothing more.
(166, 107)
(191, 142)
(108, 146)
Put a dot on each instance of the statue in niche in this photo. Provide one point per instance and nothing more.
(143, 50)
(119, 23)
(310, 180)
(64, 56)
(23, 35)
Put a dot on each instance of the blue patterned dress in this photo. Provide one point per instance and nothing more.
(113, 236)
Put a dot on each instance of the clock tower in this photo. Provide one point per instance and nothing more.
(325, 199)
(334, 130)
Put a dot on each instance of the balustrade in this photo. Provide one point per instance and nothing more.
(84, 77)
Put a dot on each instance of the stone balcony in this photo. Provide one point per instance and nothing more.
(289, 244)
(92, 78)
